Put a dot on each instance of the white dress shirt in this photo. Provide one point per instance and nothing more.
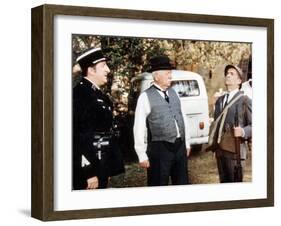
(140, 130)
(231, 95)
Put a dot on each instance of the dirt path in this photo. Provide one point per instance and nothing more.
(202, 170)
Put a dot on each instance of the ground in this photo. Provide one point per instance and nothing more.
(202, 170)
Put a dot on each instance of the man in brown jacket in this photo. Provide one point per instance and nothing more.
(239, 111)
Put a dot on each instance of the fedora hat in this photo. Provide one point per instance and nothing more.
(90, 58)
(160, 63)
(238, 69)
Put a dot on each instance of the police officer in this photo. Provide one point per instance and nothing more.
(96, 155)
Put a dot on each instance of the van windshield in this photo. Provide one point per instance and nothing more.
(186, 88)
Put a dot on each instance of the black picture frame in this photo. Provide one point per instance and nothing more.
(42, 203)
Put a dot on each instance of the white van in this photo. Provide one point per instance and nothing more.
(194, 99)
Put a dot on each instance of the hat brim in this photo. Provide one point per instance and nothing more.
(161, 68)
(100, 60)
(234, 67)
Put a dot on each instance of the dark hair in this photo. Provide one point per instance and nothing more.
(85, 70)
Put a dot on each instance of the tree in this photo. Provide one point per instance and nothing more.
(128, 57)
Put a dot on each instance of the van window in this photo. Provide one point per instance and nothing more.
(186, 88)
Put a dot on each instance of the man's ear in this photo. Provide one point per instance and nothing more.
(156, 76)
(91, 69)
(240, 81)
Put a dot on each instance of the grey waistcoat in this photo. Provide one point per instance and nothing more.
(161, 120)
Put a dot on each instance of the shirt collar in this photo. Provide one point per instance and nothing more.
(232, 94)
(94, 84)
(159, 87)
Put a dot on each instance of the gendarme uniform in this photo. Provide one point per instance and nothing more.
(95, 152)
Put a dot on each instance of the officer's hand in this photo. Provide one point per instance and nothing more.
(188, 151)
(238, 132)
(144, 164)
(93, 183)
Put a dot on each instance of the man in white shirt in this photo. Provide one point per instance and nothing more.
(160, 129)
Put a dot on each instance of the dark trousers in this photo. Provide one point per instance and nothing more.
(167, 160)
(103, 168)
(226, 163)
(80, 181)
(103, 182)
(81, 174)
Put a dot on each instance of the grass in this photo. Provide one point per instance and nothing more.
(202, 170)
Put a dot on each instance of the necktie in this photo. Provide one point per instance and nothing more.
(226, 99)
(165, 94)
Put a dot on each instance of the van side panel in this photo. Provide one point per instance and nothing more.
(196, 111)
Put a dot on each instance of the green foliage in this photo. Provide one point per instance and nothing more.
(128, 57)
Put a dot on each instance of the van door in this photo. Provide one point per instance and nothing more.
(195, 105)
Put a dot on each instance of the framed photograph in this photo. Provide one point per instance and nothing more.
(201, 45)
